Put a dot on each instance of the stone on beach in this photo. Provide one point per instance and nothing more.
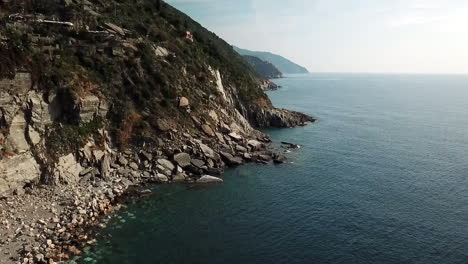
(182, 159)
(209, 179)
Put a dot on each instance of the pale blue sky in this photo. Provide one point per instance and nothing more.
(413, 36)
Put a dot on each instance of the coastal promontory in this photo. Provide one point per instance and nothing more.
(98, 97)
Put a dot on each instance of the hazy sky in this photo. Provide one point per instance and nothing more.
(416, 36)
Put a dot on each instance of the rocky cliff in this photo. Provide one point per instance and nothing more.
(286, 66)
(90, 79)
(114, 93)
(264, 68)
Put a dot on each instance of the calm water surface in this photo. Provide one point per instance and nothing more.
(381, 178)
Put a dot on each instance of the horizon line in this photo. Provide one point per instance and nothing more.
(388, 73)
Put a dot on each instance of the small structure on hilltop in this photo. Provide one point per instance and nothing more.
(189, 36)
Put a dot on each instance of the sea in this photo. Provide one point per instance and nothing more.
(381, 177)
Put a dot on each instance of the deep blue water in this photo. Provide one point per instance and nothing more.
(381, 178)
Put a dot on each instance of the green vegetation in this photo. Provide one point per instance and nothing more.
(63, 139)
(139, 86)
(263, 68)
(284, 65)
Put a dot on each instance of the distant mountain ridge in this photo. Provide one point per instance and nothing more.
(284, 65)
(264, 68)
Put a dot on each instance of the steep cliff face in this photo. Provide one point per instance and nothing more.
(264, 68)
(82, 81)
(284, 65)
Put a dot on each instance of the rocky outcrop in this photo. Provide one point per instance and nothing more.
(275, 117)
(16, 171)
(90, 107)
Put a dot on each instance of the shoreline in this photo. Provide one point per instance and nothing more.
(49, 224)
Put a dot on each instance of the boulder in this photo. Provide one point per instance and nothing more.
(214, 116)
(241, 148)
(163, 125)
(163, 170)
(183, 102)
(166, 164)
(207, 151)
(182, 159)
(208, 130)
(198, 163)
(209, 179)
(122, 161)
(134, 166)
(16, 171)
(235, 136)
(220, 137)
(280, 158)
(255, 144)
(148, 156)
(67, 170)
(161, 178)
(178, 177)
(265, 157)
(230, 159)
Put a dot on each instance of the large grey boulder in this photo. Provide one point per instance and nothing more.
(17, 171)
(255, 144)
(207, 151)
(230, 159)
(182, 159)
(198, 163)
(208, 130)
(179, 177)
(166, 164)
(161, 178)
(209, 179)
(67, 170)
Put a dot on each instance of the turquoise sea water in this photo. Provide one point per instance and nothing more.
(382, 177)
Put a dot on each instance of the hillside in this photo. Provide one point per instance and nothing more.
(263, 68)
(98, 96)
(284, 65)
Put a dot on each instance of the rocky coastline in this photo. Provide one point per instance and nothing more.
(93, 110)
(51, 224)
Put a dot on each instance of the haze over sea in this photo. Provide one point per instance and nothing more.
(382, 177)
